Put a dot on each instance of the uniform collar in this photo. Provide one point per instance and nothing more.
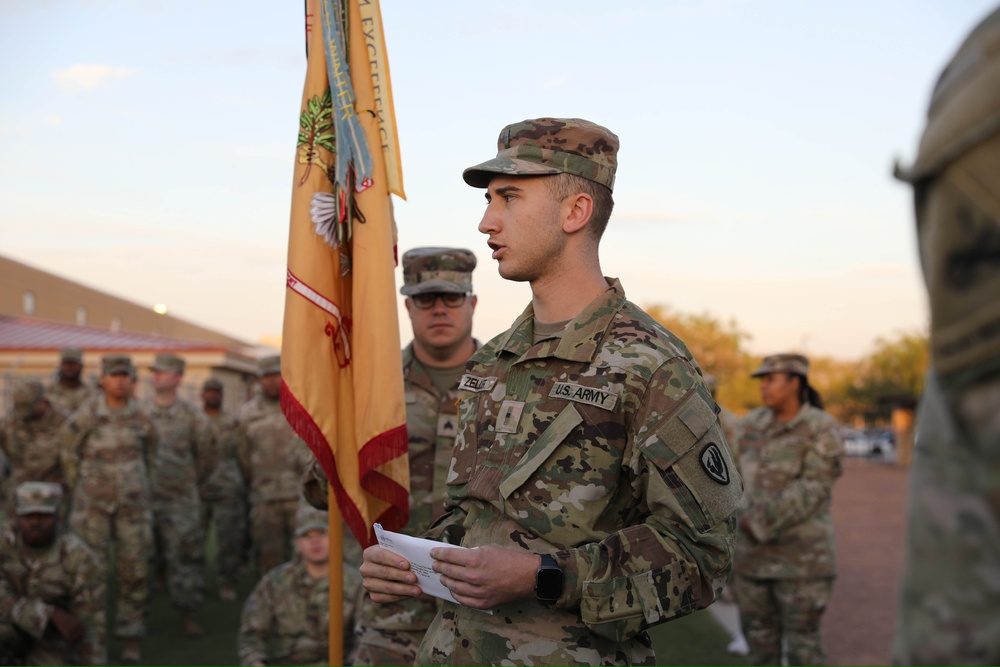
(583, 335)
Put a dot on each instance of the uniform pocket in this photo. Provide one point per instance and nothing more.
(541, 450)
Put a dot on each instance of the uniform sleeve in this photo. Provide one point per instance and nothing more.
(72, 435)
(256, 623)
(88, 601)
(29, 614)
(676, 556)
(243, 451)
(769, 516)
(206, 447)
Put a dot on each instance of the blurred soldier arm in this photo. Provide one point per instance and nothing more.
(257, 623)
(72, 436)
(765, 519)
(206, 447)
(243, 446)
(315, 486)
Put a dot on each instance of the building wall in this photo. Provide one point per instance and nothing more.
(60, 300)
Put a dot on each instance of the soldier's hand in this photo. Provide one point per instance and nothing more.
(486, 577)
(68, 625)
(387, 577)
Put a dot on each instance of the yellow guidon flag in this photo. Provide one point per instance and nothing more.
(342, 387)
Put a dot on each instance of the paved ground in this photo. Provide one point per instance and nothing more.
(869, 508)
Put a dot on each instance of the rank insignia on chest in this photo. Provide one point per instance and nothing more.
(509, 416)
(447, 426)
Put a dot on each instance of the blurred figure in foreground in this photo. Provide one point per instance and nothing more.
(789, 453)
(52, 595)
(286, 618)
(950, 602)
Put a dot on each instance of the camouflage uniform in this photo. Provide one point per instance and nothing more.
(31, 445)
(950, 595)
(105, 460)
(785, 564)
(286, 618)
(182, 462)
(35, 580)
(70, 400)
(272, 459)
(224, 498)
(389, 634)
(603, 448)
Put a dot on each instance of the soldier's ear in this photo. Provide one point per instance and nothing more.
(576, 211)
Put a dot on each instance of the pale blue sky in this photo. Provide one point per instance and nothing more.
(146, 148)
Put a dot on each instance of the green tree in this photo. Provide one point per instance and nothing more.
(891, 374)
(718, 348)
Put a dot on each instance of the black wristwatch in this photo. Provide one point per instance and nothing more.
(548, 580)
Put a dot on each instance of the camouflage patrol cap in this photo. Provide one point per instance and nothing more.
(269, 365)
(114, 364)
(783, 363)
(37, 498)
(26, 392)
(965, 105)
(309, 518)
(168, 362)
(437, 270)
(71, 354)
(212, 383)
(551, 146)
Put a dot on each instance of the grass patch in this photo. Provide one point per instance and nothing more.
(695, 639)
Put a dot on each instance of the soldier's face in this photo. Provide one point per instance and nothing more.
(778, 390)
(441, 327)
(270, 384)
(165, 380)
(212, 398)
(37, 529)
(314, 547)
(524, 224)
(117, 386)
(70, 370)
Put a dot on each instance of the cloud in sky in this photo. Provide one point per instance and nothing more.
(83, 78)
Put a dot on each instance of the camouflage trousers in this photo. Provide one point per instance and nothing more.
(180, 543)
(949, 611)
(789, 610)
(272, 525)
(386, 648)
(130, 529)
(229, 516)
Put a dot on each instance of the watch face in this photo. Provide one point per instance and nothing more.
(549, 584)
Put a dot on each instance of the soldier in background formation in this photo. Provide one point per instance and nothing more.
(289, 609)
(69, 392)
(272, 458)
(949, 610)
(789, 453)
(182, 462)
(108, 445)
(52, 593)
(223, 491)
(29, 437)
